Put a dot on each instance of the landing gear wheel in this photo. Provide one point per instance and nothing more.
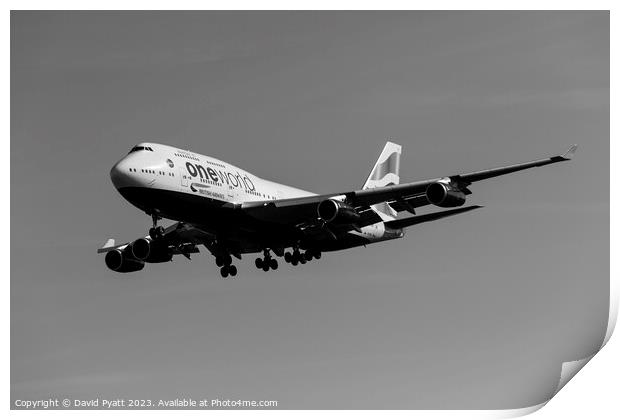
(287, 257)
(317, 255)
(295, 257)
(224, 271)
(273, 264)
(302, 259)
(266, 267)
(259, 263)
(308, 255)
(219, 261)
(232, 270)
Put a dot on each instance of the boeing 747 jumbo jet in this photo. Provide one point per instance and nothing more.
(232, 212)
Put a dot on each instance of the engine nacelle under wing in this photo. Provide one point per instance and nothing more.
(122, 261)
(150, 251)
(444, 195)
(335, 211)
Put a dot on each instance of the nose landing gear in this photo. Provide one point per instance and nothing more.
(156, 232)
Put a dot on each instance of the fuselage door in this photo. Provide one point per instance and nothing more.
(183, 176)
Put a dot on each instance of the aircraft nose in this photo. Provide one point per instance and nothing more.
(120, 174)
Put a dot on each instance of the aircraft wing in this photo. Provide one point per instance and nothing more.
(182, 238)
(406, 196)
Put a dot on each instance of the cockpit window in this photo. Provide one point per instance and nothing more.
(138, 148)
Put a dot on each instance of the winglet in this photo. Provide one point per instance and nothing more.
(570, 152)
(109, 244)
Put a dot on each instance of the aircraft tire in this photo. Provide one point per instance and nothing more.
(224, 271)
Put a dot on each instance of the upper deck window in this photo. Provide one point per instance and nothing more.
(138, 148)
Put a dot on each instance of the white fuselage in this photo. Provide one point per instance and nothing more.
(158, 166)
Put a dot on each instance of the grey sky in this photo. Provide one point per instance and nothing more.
(475, 311)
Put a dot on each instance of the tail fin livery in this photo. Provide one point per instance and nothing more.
(385, 172)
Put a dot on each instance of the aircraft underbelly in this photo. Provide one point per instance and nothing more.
(179, 206)
(249, 234)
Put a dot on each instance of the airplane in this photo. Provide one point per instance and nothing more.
(232, 212)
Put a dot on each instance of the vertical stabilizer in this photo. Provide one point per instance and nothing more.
(385, 172)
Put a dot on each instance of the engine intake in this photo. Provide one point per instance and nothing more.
(336, 211)
(122, 261)
(150, 251)
(141, 248)
(444, 195)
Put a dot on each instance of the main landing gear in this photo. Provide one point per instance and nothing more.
(266, 263)
(156, 232)
(297, 257)
(227, 267)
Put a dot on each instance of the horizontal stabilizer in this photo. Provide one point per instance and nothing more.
(415, 220)
(109, 245)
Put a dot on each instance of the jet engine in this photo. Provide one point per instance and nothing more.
(444, 195)
(336, 211)
(122, 261)
(150, 251)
